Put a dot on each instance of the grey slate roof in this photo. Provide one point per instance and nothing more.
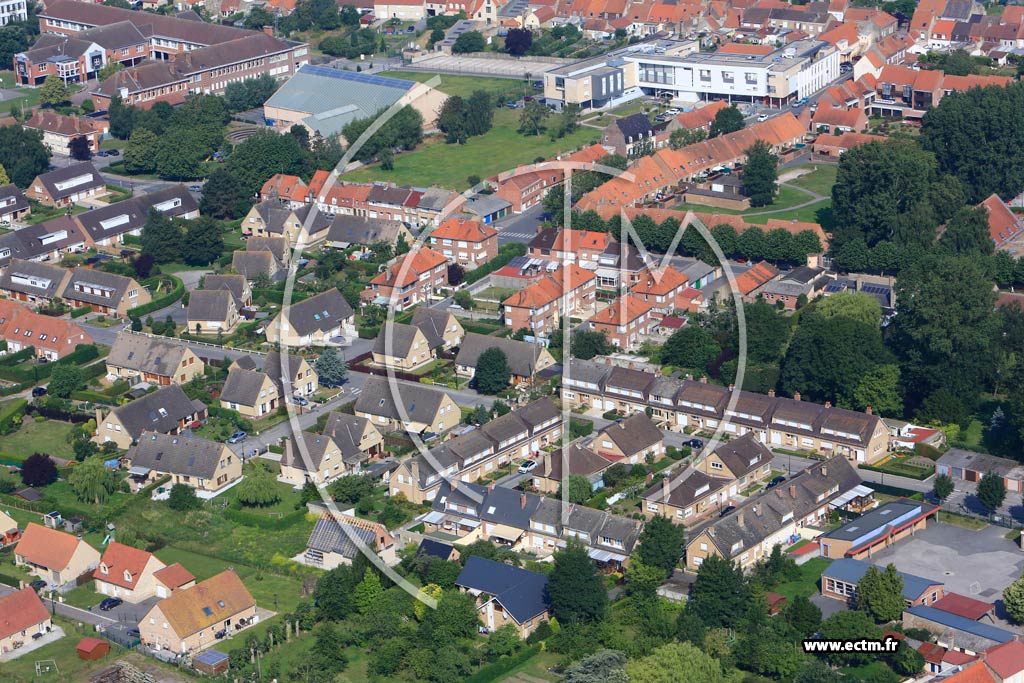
(275, 214)
(522, 593)
(50, 179)
(8, 192)
(347, 229)
(32, 277)
(131, 214)
(329, 536)
(420, 403)
(850, 570)
(521, 356)
(581, 461)
(323, 312)
(36, 240)
(210, 304)
(744, 454)
(117, 284)
(278, 246)
(145, 354)
(635, 126)
(972, 635)
(251, 264)
(191, 456)
(981, 462)
(399, 336)
(434, 548)
(235, 284)
(346, 431)
(159, 411)
(243, 387)
(432, 323)
(685, 488)
(634, 434)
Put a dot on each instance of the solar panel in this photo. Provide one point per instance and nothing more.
(341, 75)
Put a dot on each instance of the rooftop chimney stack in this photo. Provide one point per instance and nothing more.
(796, 395)
(792, 490)
(771, 393)
(522, 501)
(828, 404)
(739, 518)
(666, 489)
(868, 410)
(703, 379)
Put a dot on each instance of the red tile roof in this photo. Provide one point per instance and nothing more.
(745, 49)
(975, 673)
(47, 332)
(119, 559)
(419, 262)
(1003, 223)
(21, 611)
(936, 654)
(621, 311)
(1007, 659)
(660, 282)
(174, 576)
(963, 606)
(464, 229)
(753, 278)
(702, 117)
(46, 547)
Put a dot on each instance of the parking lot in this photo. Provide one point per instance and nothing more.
(974, 563)
(500, 68)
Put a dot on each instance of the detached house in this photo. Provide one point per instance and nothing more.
(403, 347)
(357, 438)
(142, 359)
(317, 321)
(250, 393)
(236, 284)
(166, 411)
(59, 131)
(13, 205)
(23, 617)
(319, 461)
(54, 556)
(301, 378)
(340, 539)
(506, 594)
(438, 325)
(206, 466)
(404, 407)
(212, 310)
(104, 292)
(524, 359)
(67, 185)
(128, 573)
(190, 620)
(466, 242)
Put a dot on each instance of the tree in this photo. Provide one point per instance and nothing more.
(143, 266)
(368, 593)
(162, 238)
(257, 18)
(661, 544)
(350, 488)
(65, 379)
(728, 120)
(451, 120)
(79, 148)
(851, 625)
(503, 641)
(907, 661)
(942, 487)
(764, 651)
(331, 368)
(263, 155)
(258, 489)
(222, 196)
(182, 498)
(967, 232)
(576, 489)
(991, 491)
(858, 306)
(879, 389)
(684, 137)
(532, 117)
(204, 241)
(880, 593)
(91, 481)
(759, 174)
(465, 299)
(589, 343)
(719, 595)
(604, 666)
(676, 662)
(1013, 600)
(470, 41)
(802, 615)
(819, 672)
(690, 347)
(140, 152)
(38, 470)
(569, 120)
(518, 41)
(334, 593)
(575, 588)
(454, 618)
(179, 154)
(53, 92)
(4, 179)
(492, 371)
(108, 70)
(23, 154)
(328, 653)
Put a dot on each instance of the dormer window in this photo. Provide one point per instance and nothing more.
(104, 569)
(127, 576)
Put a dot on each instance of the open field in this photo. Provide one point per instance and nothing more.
(50, 437)
(464, 86)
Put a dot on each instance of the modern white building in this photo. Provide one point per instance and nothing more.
(11, 12)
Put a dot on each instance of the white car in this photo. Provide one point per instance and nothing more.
(762, 117)
(527, 466)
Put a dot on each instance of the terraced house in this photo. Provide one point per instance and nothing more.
(778, 422)
(477, 453)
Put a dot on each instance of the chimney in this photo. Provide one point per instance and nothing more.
(99, 419)
(665, 489)
(792, 490)
(868, 410)
(288, 456)
(632, 366)
(547, 463)
(739, 517)
(796, 395)
(824, 471)
(414, 468)
(828, 404)
(731, 387)
(522, 501)
(490, 488)
(269, 30)
(703, 379)
(689, 377)
(771, 393)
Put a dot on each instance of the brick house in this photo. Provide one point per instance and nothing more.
(200, 463)
(25, 617)
(59, 130)
(52, 338)
(67, 185)
(466, 242)
(525, 190)
(141, 359)
(665, 292)
(166, 411)
(104, 292)
(54, 556)
(538, 307)
(506, 594)
(582, 247)
(626, 322)
(413, 279)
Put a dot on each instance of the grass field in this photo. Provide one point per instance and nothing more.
(464, 86)
(500, 149)
(820, 180)
(50, 437)
(63, 654)
(807, 584)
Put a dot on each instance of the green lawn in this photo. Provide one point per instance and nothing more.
(50, 437)
(807, 584)
(63, 654)
(500, 149)
(464, 86)
(820, 180)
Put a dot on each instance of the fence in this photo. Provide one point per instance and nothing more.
(356, 364)
(192, 342)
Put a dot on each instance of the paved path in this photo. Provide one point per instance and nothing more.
(816, 198)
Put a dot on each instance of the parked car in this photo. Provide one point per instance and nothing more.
(299, 401)
(762, 117)
(134, 633)
(694, 443)
(109, 604)
(527, 466)
(775, 482)
(103, 153)
(38, 391)
(726, 510)
(195, 188)
(114, 153)
(237, 437)
(38, 585)
(845, 66)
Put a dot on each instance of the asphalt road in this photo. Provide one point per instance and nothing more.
(520, 227)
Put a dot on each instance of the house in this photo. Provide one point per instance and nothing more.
(839, 581)
(524, 190)
(136, 358)
(59, 131)
(665, 291)
(466, 242)
(968, 466)
(837, 120)
(538, 307)
(876, 529)
(205, 465)
(404, 407)
(165, 411)
(629, 134)
(583, 247)
(189, 620)
(440, 325)
(346, 231)
(211, 311)
(804, 281)
(66, 185)
(744, 462)
(750, 281)
(23, 617)
(303, 381)
(524, 359)
(478, 452)
(403, 347)
(127, 573)
(357, 438)
(319, 460)
(431, 547)
(339, 539)
(316, 321)
(108, 226)
(626, 322)
(250, 393)
(506, 594)
(634, 440)
(52, 338)
(9, 531)
(171, 578)
(568, 461)
(47, 241)
(774, 517)
(1005, 227)
(256, 264)
(103, 292)
(413, 279)
(686, 497)
(13, 205)
(54, 556)
(303, 227)
(241, 294)
(277, 246)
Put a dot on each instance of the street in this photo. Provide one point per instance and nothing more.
(95, 619)
(519, 227)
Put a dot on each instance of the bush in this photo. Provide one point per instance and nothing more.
(80, 311)
(10, 415)
(160, 302)
(506, 253)
(611, 414)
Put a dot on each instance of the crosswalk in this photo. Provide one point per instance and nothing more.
(517, 235)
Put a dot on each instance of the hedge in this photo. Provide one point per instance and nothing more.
(12, 459)
(160, 302)
(900, 472)
(493, 672)
(93, 397)
(12, 359)
(264, 522)
(35, 372)
(506, 253)
(80, 311)
(9, 412)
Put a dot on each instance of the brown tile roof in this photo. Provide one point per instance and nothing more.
(1003, 223)
(761, 273)
(174, 576)
(419, 262)
(52, 122)
(46, 547)
(964, 606)
(21, 611)
(623, 310)
(660, 283)
(464, 229)
(43, 331)
(119, 559)
(207, 603)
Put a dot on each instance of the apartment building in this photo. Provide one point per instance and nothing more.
(538, 307)
(413, 279)
(683, 403)
(79, 57)
(904, 92)
(466, 242)
(12, 12)
(626, 322)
